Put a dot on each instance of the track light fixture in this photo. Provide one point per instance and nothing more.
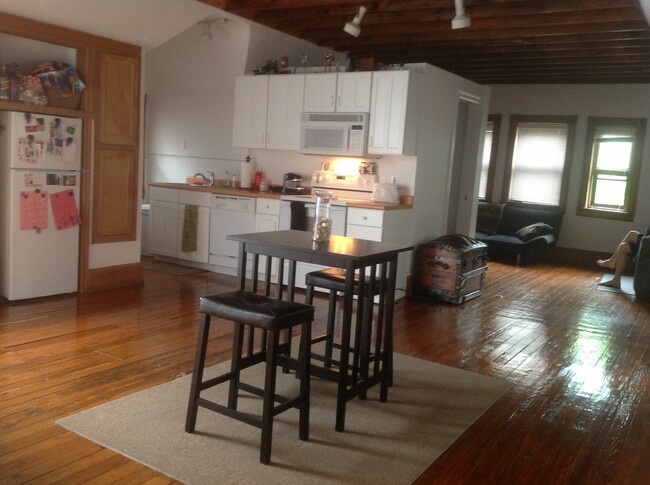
(460, 21)
(206, 25)
(353, 27)
(206, 35)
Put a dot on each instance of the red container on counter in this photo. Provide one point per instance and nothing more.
(259, 177)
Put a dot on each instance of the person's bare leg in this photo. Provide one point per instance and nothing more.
(621, 252)
(621, 263)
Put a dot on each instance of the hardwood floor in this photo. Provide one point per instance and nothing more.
(578, 358)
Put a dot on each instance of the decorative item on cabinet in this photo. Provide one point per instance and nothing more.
(363, 63)
(271, 67)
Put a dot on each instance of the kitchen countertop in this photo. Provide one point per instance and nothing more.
(406, 201)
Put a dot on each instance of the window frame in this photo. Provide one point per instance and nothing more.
(495, 119)
(632, 188)
(515, 120)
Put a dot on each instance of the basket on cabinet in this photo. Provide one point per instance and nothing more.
(62, 98)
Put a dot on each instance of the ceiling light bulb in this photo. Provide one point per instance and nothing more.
(353, 28)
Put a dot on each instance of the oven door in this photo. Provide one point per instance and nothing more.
(338, 214)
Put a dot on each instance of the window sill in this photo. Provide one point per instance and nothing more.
(605, 214)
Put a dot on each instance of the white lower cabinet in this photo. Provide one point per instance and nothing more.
(168, 219)
(163, 228)
(388, 226)
(365, 224)
(267, 218)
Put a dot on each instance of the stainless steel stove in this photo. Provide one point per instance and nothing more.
(344, 187)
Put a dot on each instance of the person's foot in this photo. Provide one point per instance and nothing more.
(606, 263)
(613, 283)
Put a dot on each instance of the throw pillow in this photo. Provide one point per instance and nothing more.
(488, 217)
(529, 232)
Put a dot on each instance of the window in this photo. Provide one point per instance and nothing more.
(539, 154)
(489, 156)
(611, 168)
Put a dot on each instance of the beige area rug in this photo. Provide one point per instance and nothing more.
(428, 408)
(171, 268)
(627, 285)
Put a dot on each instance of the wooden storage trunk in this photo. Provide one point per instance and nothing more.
(451, 268)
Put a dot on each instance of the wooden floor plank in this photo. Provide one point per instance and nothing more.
(577, 358)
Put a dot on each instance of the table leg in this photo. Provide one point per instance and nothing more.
(365, 303)
(348, 298)
(387, 364)
(241, 267)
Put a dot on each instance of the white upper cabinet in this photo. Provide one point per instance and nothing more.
(353, 92)
(345, 92)
(251, 96)
(320, 93)
(267, 111)
(390, 131)
(284, 110)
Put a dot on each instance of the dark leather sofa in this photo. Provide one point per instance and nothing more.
(642, 270)
(515, 232)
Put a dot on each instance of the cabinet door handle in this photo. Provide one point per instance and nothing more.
(331, 100)
(338, 101)
(365, 218)
(370, 143)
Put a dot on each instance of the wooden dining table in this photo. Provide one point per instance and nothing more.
(371, 259)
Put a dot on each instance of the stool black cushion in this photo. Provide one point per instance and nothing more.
(256, 310)
(334, 279)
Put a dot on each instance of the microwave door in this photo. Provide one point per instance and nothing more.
(325, 139)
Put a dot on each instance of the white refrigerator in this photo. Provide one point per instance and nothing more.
(40, 162)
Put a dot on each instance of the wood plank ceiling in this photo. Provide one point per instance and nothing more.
(509, 41)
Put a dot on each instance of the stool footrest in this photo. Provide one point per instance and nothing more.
(247, 418)
(260, 392)
(252, 419)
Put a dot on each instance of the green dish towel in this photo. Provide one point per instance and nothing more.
(190, 228)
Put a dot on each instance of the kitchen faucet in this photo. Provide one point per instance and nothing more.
(209, 180)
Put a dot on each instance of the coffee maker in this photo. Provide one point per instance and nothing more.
(291, 184)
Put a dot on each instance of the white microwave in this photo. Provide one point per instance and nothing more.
(342, 134)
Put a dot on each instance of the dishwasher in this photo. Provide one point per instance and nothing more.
(229, 215)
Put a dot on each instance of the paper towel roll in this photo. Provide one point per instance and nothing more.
(246, 175)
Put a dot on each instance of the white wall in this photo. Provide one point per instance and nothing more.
(29, 53)
(440, 95)
(625, 101)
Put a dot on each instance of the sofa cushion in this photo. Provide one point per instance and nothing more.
(515, 217)
(501, 239)
(529, 232)
(488, 217)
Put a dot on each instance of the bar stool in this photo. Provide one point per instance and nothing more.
(254, 311)
(333, 279)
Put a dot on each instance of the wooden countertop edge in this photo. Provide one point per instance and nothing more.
(406, 201)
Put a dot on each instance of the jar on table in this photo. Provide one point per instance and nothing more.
(322, 217)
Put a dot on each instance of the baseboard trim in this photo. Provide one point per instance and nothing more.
(575, 257)
(114, 277)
